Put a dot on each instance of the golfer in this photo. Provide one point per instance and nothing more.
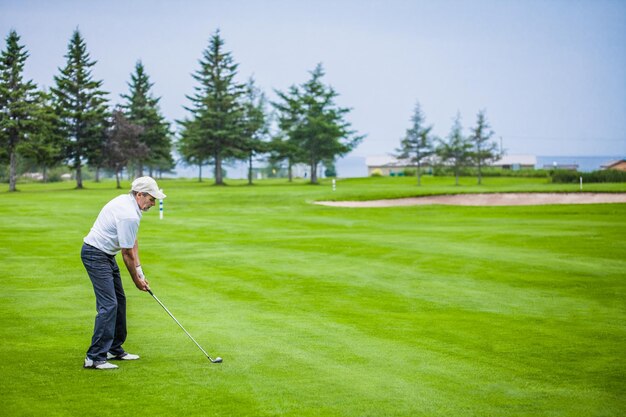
(115, 230)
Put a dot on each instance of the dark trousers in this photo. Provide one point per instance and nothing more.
(109, 331)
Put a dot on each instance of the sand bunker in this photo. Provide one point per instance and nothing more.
(495, 199)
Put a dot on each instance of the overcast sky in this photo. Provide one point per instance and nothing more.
(551, 74)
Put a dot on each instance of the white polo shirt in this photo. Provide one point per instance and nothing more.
(116, 226)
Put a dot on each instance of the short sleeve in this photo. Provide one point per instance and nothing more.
(127, 232)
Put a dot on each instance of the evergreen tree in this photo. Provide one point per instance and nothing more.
(314, 123)
(330, 170)
(82, 108)
(282, 149)
(17, 102)
(254, 125)
(417, 144)
(142, 109)
(457, 151)
(44, 146)
(485, 150)
(285, 146)
(4, 162)
(96, 153)
(191, 146)
(217, 112)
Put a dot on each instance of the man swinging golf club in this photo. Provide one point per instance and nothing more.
(115, 230)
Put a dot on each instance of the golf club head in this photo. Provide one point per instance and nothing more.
(216, 360)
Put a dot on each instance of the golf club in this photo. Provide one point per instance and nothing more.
(216, 360)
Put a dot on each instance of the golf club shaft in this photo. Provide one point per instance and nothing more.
(181, 326)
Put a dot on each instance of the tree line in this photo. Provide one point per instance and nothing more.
(75, 123)
(457, 150)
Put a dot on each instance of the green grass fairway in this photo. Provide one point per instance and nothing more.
(321, 311)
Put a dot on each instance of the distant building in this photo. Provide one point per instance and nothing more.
(37, 176)
(297, 171)
(385, 165)
(619, 165)
(515, 162)
(388, 165)
(563, 167)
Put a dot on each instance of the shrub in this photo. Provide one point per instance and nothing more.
(376, 173)
(492, 172)
(607, 175)
(55, 174)
(564, 177)
(444, 171)
(569, 177)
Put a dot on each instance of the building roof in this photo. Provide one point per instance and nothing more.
(519, 159)
(385, 161)
(611, 164)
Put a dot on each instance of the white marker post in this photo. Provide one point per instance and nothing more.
(334, 185)
(581, 183)
(161, 208)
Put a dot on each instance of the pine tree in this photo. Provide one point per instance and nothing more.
(82, 108)
(192, 147)
(282, 149)
(285, 146)
(314, 123)
(216, 124)
(417, 143)
(142, 109)
(17, 102)
(485, 150)
(457, 150)
(255, 126)
(44, 146)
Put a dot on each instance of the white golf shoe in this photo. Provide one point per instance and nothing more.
(102, 365)
(124, 357)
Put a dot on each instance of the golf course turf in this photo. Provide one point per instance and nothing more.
(322, 311)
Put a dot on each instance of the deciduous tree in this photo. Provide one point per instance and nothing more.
(123, 143)
(142, 109)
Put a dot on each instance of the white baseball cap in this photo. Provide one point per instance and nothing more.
(147, 185)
